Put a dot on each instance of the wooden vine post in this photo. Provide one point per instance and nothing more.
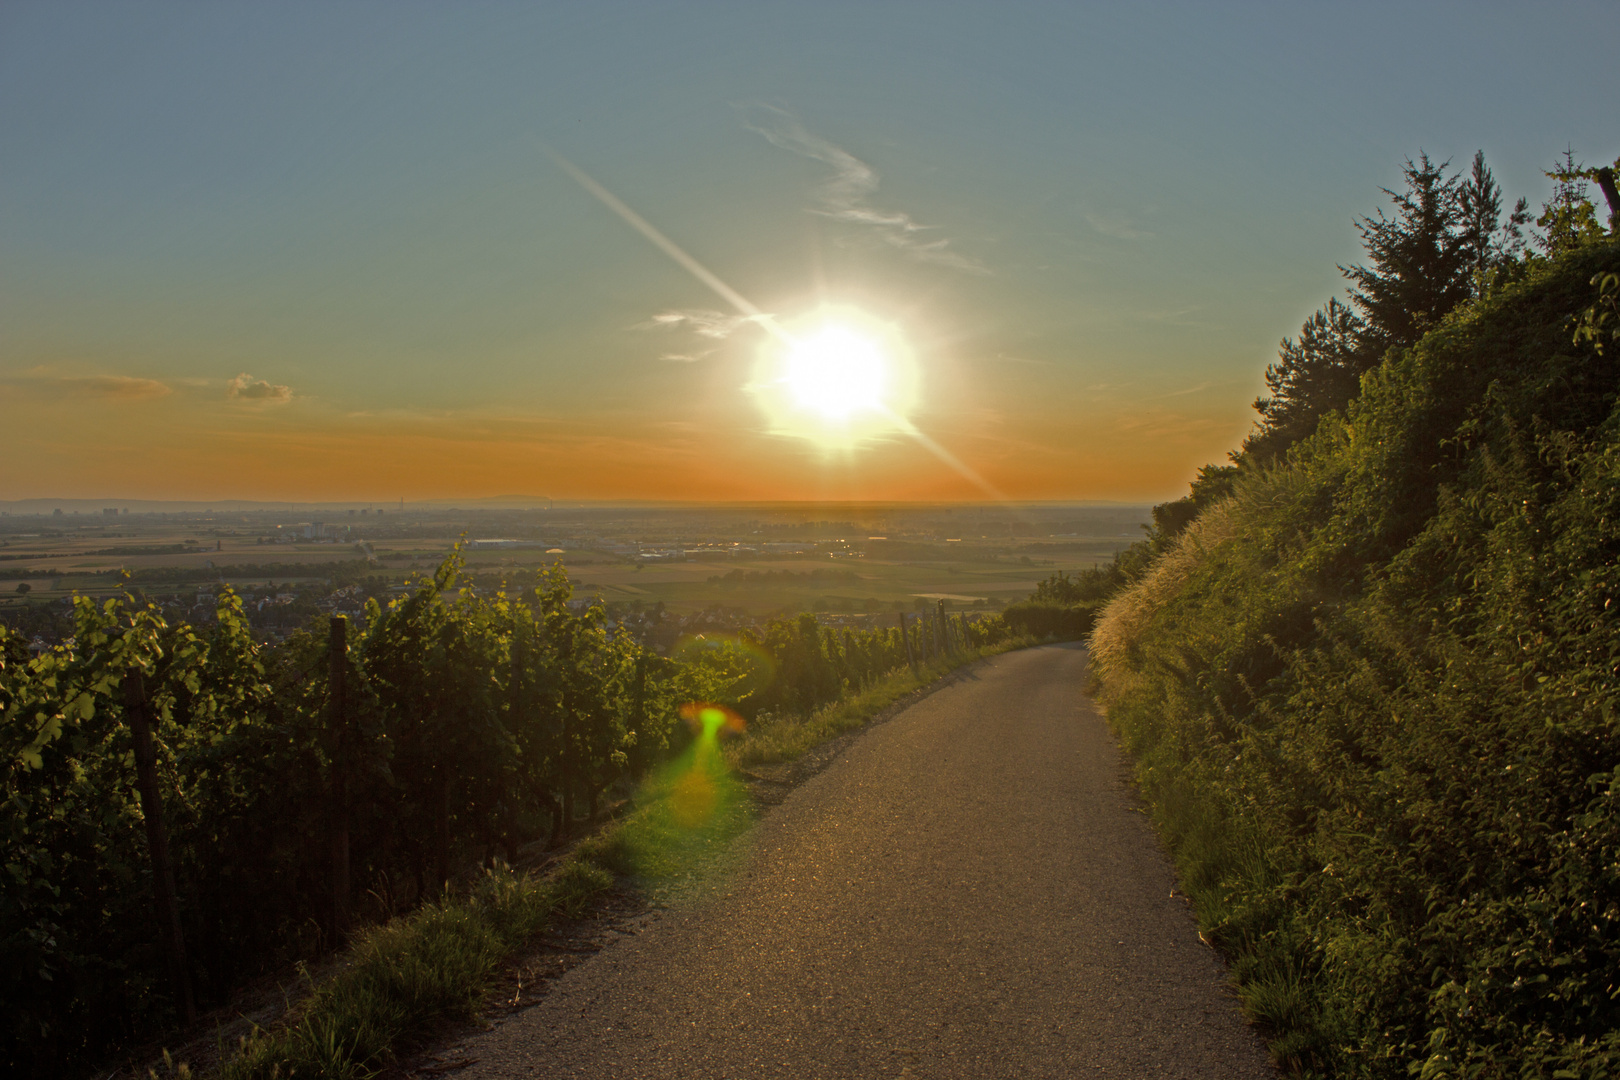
(639, 716)
(338, 647)
(905, 639)
(170, 936)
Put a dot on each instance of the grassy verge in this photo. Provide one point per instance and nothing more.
(436, 963)
(788, 737)
(398, 978)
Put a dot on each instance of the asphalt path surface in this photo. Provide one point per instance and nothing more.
(969, 890)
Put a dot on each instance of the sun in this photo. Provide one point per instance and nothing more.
(836, 373)
(837, 378)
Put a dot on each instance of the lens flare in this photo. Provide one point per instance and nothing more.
(709, 721)
(692, 799)
(701, 773)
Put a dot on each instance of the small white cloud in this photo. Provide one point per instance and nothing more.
(246, 388)
(682, 358)
(845, 196)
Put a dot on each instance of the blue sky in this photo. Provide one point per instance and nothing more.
(241, 242)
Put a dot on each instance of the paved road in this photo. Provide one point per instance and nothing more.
(965, 892)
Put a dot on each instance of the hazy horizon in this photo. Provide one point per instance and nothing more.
(521, 502)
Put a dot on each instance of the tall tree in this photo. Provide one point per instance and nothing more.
(1569, 219)
(1419, 259)
(1494, 245)
(1444, 243)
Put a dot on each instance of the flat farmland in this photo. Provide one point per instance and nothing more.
(842, 584)
(750, 563)
(81, 563)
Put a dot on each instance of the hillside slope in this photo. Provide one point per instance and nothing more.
(1373, 696)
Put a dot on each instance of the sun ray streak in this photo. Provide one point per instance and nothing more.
(669, 247)
(752, 310)
(961, 467)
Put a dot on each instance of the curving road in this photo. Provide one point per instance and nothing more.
(966, 891)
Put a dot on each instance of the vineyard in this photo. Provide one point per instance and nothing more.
(185, 809)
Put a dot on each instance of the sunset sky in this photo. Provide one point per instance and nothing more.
(335, 251)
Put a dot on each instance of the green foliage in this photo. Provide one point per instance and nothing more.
(1373, 696)
(1599, 324)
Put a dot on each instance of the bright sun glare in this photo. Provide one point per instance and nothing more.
(837, 379)
(836, 373)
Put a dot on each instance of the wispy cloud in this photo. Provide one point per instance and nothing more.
(1117, 226)
(1190, 390)
(1177, 316)
(246, 388)
(117, 386)
(702, 321)
(114, 387)
(846, 196)
(1164, 424)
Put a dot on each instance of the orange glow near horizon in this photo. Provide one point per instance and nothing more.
(161, 448)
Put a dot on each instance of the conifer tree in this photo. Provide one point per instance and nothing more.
(1445, 243)
(1419, 259)
(1569, 219)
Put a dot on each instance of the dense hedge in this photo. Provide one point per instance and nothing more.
(1048, 618)
(1375, 699)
